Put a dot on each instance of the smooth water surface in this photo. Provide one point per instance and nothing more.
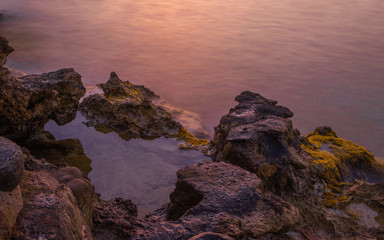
(141, 170)
(324, 59)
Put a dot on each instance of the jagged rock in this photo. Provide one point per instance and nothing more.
(11, 165)
(221, 198)
(50, 210)
(10, 207)
(28, 102)
(258, 136)
(128, 110)
(113, 219)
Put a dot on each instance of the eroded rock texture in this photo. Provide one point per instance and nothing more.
(128, 110)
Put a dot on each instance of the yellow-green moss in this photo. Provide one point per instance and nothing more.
(341, 151)
(186, 136)
(334, 200)
(127, 90)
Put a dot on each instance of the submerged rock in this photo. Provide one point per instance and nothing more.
(128, 110)
(42, 144)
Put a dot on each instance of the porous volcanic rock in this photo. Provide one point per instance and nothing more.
(11, 165)
(128, 110)
(113, 219)
(258, 136)
(221, 198)
(50, 210)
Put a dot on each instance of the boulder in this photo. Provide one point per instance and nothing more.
(11, 165)
(128, 109)
(50, 210)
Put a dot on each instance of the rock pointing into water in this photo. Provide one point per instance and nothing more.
(128, 110)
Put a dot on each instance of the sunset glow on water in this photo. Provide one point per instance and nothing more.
(322, 59)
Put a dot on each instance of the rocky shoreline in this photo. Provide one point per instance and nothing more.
(265, 180)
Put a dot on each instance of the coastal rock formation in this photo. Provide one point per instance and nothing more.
(128, 110)
(49, 202)
(27, 103)
(221, 198)
(258, 136)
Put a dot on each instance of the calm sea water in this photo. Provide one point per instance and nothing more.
(324, 59)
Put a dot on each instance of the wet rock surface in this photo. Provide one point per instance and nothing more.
(128, 110)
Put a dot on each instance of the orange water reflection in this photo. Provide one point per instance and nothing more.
(323, 59)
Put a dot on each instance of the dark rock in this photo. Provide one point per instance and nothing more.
(27, 103)
(128, 110)
(114, 219)
(11, 165)
(258, 136)
(211, 236)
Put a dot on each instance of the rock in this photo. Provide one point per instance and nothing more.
(5, 49)
(220, 198)
(81, 188)
(258, 136)
(10, 206)
(114, 219)
(11, 165)
(339, 160)
(27, 103)
(50, 210)
(211, 236)
(128, 110)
